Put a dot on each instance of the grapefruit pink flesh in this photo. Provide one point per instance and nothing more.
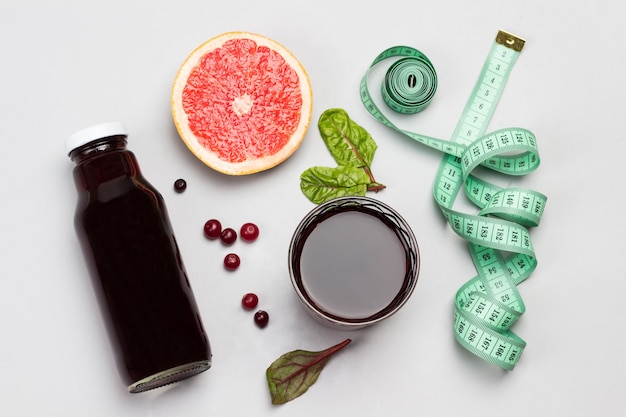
(246, 102)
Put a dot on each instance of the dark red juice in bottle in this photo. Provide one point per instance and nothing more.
(135, 264)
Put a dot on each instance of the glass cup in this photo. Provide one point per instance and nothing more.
(353, 262)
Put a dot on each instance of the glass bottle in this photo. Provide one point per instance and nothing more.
(135, 265)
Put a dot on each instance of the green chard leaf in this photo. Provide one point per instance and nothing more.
(292, 374)
(348, 143)
(320, 184)
(353, 149)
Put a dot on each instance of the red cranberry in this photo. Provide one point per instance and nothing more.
(249, 301)
(249, 232)
(180, 185)
(228, 236)
(261, 318)
(231, 261)
(212, 229)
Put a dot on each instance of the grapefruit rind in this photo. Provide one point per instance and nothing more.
(210, 158)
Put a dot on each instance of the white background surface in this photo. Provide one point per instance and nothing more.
(70, 64)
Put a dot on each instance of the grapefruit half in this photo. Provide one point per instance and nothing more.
(242, 103)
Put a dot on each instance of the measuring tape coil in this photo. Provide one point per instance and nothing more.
(490, 303)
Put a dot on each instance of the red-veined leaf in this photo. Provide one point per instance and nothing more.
(293, 373)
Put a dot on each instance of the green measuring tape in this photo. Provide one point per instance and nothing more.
(498, 237)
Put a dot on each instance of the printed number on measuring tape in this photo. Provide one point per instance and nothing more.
(498, 237)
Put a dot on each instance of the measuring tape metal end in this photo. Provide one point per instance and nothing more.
(510, 41)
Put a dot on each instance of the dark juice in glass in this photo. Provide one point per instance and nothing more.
(135, 264)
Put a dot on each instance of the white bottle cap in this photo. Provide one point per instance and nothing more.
(92, 133)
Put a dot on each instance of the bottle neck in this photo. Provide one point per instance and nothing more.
(97, 147)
